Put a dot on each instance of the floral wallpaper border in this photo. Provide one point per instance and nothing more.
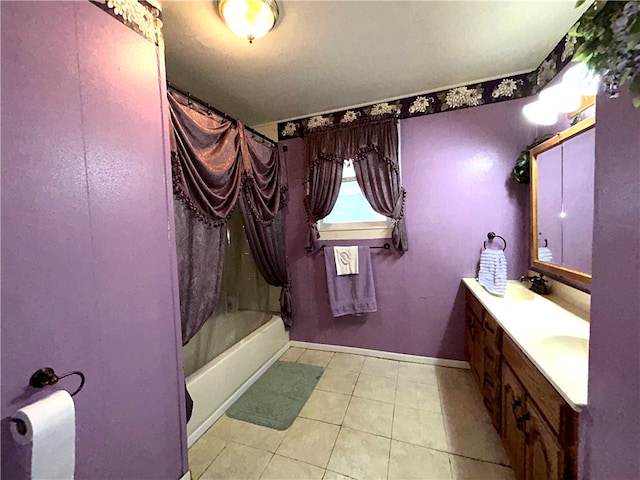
(143, 17)
(472, 95)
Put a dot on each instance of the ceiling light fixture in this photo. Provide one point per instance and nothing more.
(249, 19)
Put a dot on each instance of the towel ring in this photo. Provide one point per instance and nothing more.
(491, 236)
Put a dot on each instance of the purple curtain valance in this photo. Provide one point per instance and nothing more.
(373, 146)
(214, 161)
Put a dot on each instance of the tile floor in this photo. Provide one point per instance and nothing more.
(367, 419)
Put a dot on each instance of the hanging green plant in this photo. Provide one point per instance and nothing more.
(609, 36)
(521, 171)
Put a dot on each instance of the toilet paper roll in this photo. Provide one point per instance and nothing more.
(51, 429)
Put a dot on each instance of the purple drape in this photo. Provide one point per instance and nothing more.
(267, 244)
(373, 146)
(215, 163)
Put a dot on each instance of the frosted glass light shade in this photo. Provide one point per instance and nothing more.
(561, 98)
(582, 80)
(540, 113)
(249, 19)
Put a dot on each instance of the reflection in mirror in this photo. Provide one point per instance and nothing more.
(562, 174)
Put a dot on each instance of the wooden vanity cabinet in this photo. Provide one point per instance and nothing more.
(474, 337)
(538, 428)
(483, 339)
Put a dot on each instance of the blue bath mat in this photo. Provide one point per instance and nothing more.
(277, 397)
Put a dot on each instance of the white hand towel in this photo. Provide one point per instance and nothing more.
(544, 254)
(493, 271)
(346, 260)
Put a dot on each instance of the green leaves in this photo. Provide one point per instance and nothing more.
(610, 34)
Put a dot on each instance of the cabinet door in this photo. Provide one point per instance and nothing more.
(468, 334)
(544, 455)
(477, 355)
(513, 420)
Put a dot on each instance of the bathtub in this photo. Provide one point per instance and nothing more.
(220, 382)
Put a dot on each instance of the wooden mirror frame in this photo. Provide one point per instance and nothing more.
(563, 274)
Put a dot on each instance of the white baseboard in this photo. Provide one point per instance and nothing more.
(442, 362)
(197, 433)
(186, 476)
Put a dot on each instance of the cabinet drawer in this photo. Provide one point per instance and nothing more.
(548, 400)
(492, 359)
(492, 332)
(474, 305)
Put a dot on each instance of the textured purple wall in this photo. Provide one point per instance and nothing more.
(550, 202)
(88, 259)
(578, 163)
(456, 168)
(610, 435)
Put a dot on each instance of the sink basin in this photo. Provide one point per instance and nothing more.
(565, 344)
(567, 351)
(517, 292)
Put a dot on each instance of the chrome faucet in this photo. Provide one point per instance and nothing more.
(539, 284)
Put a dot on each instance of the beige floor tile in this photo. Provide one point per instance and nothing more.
(337, 380)
(380, 367)
(238, 462)
(468, 469)
(203, 453)
(455, 378)
(463, 400)
(328, 407)
(375, 388)
(347, 361)
(309, 441)
(360, 455)
(419, 427)
(413, 462)
(292, 355)
(246, 433)
(417, 372)
(418, 395)
(369, 416)
(315, 357)
(329, 475)
(283, 468)
(474, 437)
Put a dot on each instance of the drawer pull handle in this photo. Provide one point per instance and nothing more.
(488, 328)
(520, 418)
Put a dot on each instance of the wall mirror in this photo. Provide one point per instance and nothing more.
(562, 200)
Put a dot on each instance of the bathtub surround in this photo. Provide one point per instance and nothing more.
(456, 168)
(217, 385)
(89, 278)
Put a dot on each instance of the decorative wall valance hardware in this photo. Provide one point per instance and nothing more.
(472, 95)
(143, 17)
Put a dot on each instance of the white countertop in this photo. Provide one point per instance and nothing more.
(554, 339)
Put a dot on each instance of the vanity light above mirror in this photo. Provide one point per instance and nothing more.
(578, 84)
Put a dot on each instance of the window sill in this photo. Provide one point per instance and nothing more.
(356, 234)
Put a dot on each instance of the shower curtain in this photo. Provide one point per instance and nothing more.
(215, 162)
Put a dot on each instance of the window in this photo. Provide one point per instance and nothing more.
(352, 217)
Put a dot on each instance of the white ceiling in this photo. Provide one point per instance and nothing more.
(325, 55)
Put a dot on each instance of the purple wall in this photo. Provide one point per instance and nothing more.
(578, 162)
(550, 202)
(456, 168)
(88, 257)
(610, 435)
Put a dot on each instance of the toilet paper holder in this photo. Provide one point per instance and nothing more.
(40, 379)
